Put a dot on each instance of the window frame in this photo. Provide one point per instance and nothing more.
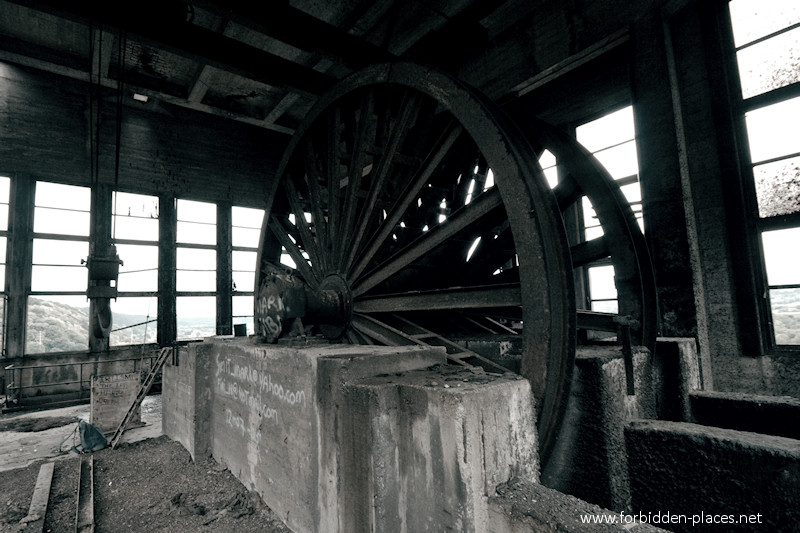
(753, 224)
(137, 242)
(33, 237)
(248, 319)
(216, 247)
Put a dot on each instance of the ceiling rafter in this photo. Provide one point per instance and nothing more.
(297, 28)
(193, 42)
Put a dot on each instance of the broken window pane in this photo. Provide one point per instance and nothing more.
(754, 19)
(778, 187)
(770, 64)
(135, 217)
(134, 320)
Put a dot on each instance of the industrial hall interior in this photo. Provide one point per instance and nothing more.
(400, 266)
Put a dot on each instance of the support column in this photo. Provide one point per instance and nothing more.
(167, 257)
(224, 267)
(18, 266)
(100, 246)
(662, 195)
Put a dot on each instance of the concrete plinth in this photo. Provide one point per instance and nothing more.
(770, 415)
(353, 438)
(589, 459)
(720, 479)
(677, 361)
(427, 448)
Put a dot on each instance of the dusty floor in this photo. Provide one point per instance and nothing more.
(20, 447)
(148, 483)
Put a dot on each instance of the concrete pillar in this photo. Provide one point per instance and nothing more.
(589, 459)
(425, 450)
(224, 274)
(18, 265)
(167, 256)
(660, 177)
(99, 245)
(354, 438)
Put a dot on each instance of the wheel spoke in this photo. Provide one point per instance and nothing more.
(568, 191)
(282, 232)
(589, 251)
(332, 171)
(399, 130)
(488, 296)
(358, 161)
(313, 179)
(437, 235)
(398, 209)
(383, 333)
(309, 243)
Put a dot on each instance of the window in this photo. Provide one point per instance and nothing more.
(135, 234)
(196, 275)
(548, 163)
(612, 140)
(58, 312)
(767, 46)
(246, 232)
(5, 190)
(782, 258)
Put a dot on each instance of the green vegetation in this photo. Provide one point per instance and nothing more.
(56, 327)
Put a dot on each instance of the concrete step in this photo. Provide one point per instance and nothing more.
(519, 506)
(714, 479)
(770, 415)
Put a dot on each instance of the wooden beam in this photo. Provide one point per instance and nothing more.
(299, 29)
(41, 496)
(152, 24)
(568, 65)
(71, 69)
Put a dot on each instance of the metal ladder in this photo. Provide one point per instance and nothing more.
(163, 353)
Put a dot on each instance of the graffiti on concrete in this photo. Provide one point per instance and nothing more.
(259, 391)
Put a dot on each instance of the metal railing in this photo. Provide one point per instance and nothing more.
(22, 378)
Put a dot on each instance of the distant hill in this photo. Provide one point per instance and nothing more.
(58, 327)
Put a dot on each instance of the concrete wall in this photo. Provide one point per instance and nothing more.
(770, 415)
(687, 469)
(66, 376)
(589, 459)
(45, 135)
(354, 438)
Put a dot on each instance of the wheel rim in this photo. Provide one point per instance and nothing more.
(374, 192)
(622, 243)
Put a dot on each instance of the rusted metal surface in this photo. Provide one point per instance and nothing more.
(622, 242)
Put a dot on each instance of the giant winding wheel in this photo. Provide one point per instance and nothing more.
(410, 210)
